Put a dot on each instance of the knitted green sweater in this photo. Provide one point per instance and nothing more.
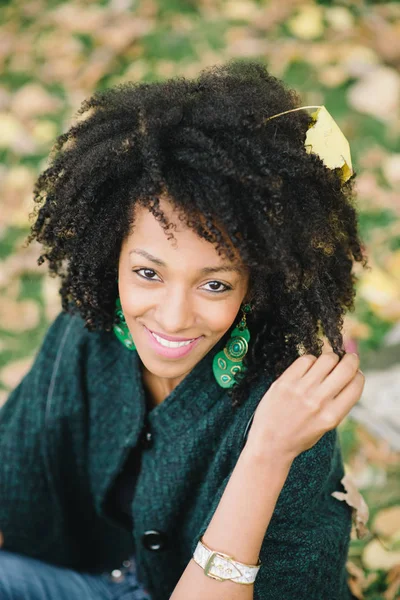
(66, 430)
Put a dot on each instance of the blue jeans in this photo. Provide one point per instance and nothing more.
(24, 578)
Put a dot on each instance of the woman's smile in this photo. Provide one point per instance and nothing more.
(171, 349)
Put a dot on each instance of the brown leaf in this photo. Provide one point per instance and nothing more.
(18, 316)
(387, 521)
(393, 579)
(358, 582)
(377, 94)
(360, 508)
(12, 374)
(375, 556)
(32, 99)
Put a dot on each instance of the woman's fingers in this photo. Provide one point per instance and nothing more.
(325, 364)
(348, 397)
(339, 377)
(299, 367)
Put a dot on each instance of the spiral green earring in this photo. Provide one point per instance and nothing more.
(228, 361)
(121, 329)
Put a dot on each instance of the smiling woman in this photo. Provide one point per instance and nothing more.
(172, 308)
(178, 426)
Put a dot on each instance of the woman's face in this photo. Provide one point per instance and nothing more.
(180, 291)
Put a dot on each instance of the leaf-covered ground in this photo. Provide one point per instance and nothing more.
(345, 55)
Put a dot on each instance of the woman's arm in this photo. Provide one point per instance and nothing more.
(307, 401)
(239, 523)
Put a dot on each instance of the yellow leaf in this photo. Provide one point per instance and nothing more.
(376, 557)
(387, 521)
(326, 139)
(392, 265)
(382, 292)
(307, 24)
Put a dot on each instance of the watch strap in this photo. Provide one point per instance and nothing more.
(222, 567)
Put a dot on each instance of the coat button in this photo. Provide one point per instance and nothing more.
(147, 439)
(154, 540)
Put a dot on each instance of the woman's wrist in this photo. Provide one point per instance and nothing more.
(262, 452)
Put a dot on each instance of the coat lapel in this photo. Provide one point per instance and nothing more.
(116, 410)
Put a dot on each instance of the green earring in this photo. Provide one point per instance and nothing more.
(228, 361)
(121, 329)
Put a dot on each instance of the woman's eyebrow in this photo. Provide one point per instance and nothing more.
(205, 270)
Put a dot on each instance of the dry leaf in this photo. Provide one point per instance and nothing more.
(377, 94)
(393, 579)
(18, 316)
(354, 499)
(382, 292)
(391, 169)
(392, 265)
(375, 556)
(358, 582)
(11, 130)
(307, 24)
(51, 296)
(387, 521)
(12, 373)
(339, 18)
(357, 60)
(32, 100)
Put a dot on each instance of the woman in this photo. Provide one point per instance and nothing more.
(176, 435)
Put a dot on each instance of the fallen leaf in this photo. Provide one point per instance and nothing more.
(382, 292)
(358, 582)
(51, 297)
(376, 557)
(387, 521)
(307, 24)
(339, 18)
(18, 316)
(377, 93)
(12, 373)
(32, 100)
(391, 169)
(354, 499)
(393, 579)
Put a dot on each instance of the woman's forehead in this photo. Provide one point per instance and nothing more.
(148, 231)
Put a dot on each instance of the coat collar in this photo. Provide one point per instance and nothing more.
(117, 407)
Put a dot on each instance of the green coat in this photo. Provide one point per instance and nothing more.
(66, 430)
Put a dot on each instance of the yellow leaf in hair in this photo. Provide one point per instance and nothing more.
(325, 138)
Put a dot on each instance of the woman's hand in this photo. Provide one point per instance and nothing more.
(311, 397)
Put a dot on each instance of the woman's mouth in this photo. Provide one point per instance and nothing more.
(171, 349)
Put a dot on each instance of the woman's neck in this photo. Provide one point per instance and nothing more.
(157, 389)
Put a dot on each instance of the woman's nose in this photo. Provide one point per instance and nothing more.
(174, 313)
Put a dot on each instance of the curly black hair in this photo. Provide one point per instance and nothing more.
(206, 143)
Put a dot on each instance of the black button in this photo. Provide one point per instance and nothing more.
(154, 540)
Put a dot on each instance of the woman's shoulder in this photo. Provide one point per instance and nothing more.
(68, 339)
(67, 364)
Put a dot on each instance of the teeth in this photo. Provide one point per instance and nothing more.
(169, 344)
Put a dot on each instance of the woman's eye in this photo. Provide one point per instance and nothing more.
(215, 285)
(148, 274)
